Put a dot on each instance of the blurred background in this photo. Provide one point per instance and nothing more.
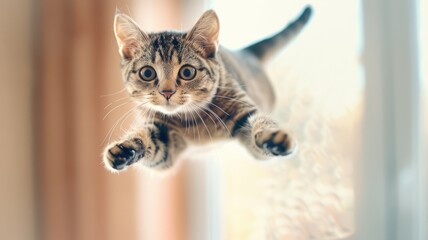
(352, 88)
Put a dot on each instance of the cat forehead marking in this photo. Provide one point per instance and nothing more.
(165, 46)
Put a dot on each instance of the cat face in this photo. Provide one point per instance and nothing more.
(169, 72)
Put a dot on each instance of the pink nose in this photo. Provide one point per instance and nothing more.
(167, 93)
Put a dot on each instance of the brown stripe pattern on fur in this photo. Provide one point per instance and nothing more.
(189, 90)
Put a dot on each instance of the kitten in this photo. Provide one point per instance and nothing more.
(190, 90)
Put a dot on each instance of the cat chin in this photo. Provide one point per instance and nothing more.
(168, 109)
(171, 109)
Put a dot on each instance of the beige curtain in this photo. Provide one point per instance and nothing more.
(78, 77)
(17, 210)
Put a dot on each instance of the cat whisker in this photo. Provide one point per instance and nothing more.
(118, 106)
(195, 123)
(117, 100)
(202, 109)
(233, 87)
(219, 119)
(152, 116)
(179, 116)
(185, 122)
(146, 113)
(112, 94)
(203, 122)
(219, 108)
(208, 109)
(123, 120)
(202, 101)
(232, 99)
(110, 132)
(186, 119)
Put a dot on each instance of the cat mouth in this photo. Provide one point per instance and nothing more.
(171, 107)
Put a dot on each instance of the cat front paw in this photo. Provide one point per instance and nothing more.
(276, 142)
(120, 155)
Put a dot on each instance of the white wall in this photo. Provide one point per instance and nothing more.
(390, 196)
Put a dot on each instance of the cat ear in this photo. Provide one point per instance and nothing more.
(130, 38)
(205, 33)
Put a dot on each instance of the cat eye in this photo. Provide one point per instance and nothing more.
(147, 73)
(187, 72)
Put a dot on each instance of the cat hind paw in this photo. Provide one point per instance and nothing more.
(276, 142)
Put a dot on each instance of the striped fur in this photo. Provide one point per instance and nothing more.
(225, 99)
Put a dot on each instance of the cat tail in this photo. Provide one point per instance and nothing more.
(266, 48)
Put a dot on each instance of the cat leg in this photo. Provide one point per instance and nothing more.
(263, 137)
(154, 146)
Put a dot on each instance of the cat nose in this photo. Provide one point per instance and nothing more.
(167, 93)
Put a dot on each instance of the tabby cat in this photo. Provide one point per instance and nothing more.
(190, 90)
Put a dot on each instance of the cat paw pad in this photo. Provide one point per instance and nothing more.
(124, 154)
(276, 142)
